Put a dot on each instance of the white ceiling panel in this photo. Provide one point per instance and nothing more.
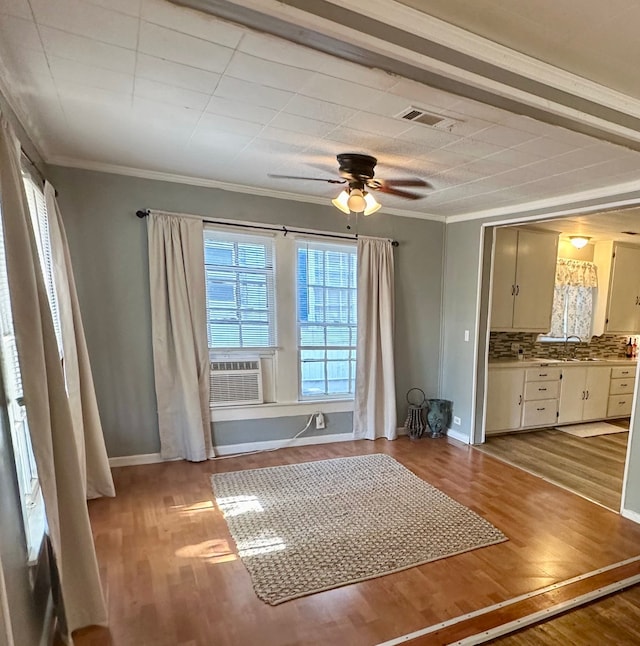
(86, 19)
(190, 22)
(252, 93)
(176, 74)
(62, 44)
(182, 48)
(67, 70)
(305, 106)
(275, 75)
(19, 33)
(155, 91)
(18, 8)
(240, 110)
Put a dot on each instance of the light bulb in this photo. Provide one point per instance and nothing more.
(579, 241)
(372, 204)
(341, 202)
(356, 201)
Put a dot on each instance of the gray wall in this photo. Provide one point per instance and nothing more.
(109, 253)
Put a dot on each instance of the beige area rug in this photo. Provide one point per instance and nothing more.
(592, 429)
(304, 528)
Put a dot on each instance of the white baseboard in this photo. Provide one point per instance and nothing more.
(229, 449)
(631, 515)
(247, 447)
(458, 435)
(133, 460)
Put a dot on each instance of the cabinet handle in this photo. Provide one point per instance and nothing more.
(542, 374)
(513, 290)
(587, 397)
(625, 372)
(621, 403)
(542, 390)
(520, 400)
(623, 385)
(543, 408)
(517, 289)
(583, 393)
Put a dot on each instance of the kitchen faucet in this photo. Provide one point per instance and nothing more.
(566, 340)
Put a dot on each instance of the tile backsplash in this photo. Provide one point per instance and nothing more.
(605, 346)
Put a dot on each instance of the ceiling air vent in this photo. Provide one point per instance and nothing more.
(426, 118)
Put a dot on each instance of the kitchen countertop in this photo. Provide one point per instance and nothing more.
(535, 362)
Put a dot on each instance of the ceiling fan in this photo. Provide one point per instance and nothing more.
(357, 171)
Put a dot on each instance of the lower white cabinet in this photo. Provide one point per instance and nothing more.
(504, 399)
(584, 393)
(621, 392)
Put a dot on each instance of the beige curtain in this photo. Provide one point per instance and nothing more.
(6, 631)
(374, 412)
(48, 414)
(179, 331)
(77, 369)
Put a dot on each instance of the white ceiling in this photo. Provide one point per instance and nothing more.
(590, 38)
(147, 86)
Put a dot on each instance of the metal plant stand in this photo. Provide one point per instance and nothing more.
(415, 423)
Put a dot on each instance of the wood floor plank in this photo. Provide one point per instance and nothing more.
(172, 575)
(592, 467)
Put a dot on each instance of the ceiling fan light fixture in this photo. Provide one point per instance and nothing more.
(356, 201)
(340, 202)
(372, 204)
(579, 241)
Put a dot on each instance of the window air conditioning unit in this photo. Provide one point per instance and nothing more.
(234, 383)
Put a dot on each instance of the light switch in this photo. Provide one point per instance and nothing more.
(466, 335)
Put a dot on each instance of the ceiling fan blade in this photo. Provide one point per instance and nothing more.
(394, 191)
(310, 179)
(404, 182)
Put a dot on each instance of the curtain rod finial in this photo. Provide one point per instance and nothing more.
(142, 213)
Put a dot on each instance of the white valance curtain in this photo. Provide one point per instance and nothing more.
(374, 413)
(92, 454)
(54, 441)
(572, 313)
(179, 335)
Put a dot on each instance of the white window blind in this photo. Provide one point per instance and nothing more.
(240, 290)
(326, 277)
(40, 222)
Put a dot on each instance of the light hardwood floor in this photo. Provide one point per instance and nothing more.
(172, 576)
(591, 466)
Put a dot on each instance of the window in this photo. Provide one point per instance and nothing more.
(306, 345)
(240, 290)
(27, 475)
(327, 319)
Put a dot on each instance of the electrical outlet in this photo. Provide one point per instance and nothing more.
(457, 421)
(320, 423)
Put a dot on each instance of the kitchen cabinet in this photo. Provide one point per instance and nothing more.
(621, 392)
(617, 306)
(584, 393)
(504, 399)
(523, 278)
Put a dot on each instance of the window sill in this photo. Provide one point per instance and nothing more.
(280, 409)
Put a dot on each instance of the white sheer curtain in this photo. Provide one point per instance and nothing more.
(374, 413)
(572, 313)
(48, 414)
(77, 369)
(180, 347)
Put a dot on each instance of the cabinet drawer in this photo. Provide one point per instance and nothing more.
(622, 386)
(542, 374)
(619, 405)
(541, 390)
(540, 413)
(623, 372)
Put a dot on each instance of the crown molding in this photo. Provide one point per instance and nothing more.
(601, 199)
(161, 176)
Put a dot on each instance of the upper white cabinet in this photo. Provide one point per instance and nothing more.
(617, 305)
(524, 269)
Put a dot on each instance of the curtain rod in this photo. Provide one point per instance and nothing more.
(143, 213)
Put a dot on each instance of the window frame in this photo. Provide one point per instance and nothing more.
(280, 364)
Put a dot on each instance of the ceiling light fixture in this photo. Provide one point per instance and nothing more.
(579, 241)
(356, 200)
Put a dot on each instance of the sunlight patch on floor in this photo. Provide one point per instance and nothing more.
(214, 551)
(236, 505)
